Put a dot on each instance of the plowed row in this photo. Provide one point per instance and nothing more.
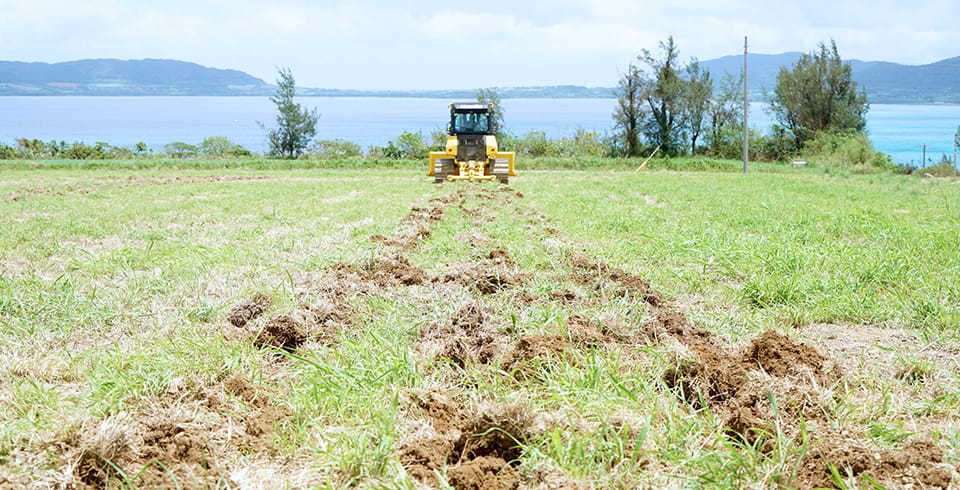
(769, 393)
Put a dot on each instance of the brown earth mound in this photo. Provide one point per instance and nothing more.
(474, 449)
(472, 336)
(772, 389)
(241, 314)
(181, 442)
(915, 465)
(320, 321)
(396, 271)
(526, 356)
(613, 281)
(487, 278)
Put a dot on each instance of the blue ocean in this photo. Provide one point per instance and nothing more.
(899, 130)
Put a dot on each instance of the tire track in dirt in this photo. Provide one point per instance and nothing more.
(123, 182)
(765, 390)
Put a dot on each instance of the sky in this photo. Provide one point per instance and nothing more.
(429, 44)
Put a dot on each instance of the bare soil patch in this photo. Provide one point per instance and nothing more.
(476, 448)
(242, 313)
(186, 438)
(770, 389)
(121, 182)
(613, 281)
(471, 336)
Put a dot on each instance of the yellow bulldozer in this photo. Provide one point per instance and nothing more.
(471, 151)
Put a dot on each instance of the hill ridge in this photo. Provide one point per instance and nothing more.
(884, 82)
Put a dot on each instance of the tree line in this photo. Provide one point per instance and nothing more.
(681, 109)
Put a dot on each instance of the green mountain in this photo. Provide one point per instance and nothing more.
(125, 77)
(884, 82)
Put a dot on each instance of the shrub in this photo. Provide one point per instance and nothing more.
(8, 153)
(179, 149)
(438, 140)
(82, 151)
(406, 146)
(334, 149)
(536, 144)
(582, 143)
(850, 150)
(221, 147)
(943, 168)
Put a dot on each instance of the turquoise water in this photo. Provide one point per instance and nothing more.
(896, 129)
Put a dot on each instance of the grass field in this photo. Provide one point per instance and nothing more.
(269, 328)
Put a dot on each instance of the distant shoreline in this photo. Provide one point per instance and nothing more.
(460, 96)
(885, 83)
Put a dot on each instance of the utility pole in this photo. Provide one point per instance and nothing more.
(746, 108)
(923, 162)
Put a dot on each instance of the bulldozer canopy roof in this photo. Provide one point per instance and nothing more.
(470, 107)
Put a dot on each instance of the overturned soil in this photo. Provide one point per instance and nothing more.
(107, 183)
(764, 391)
(186, 440)
(476, 447)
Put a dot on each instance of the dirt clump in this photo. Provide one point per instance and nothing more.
(773, 379)
(526, 355)
(396, 271)
(917, 463)
(286, 331)
(478, 448)
(592, 333)
(774, 388)
(415, 226)
(613, 281)
(485, 278)
(421, 214)
(667, 323)
(779, 356)
(263, 414)
(499, 256)
(187, 453)
(472, 336)
(240, 314)
(319, 321)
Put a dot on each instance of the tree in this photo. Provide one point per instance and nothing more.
(492, 96)
(724, 136)
(296, 126)
(697, 101)
(663, 93)
(818, 95)
(628, 115)
(179, 149)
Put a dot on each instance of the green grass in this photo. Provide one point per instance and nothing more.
(116, 279)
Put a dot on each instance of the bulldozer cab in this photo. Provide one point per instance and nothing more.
(470, 119)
